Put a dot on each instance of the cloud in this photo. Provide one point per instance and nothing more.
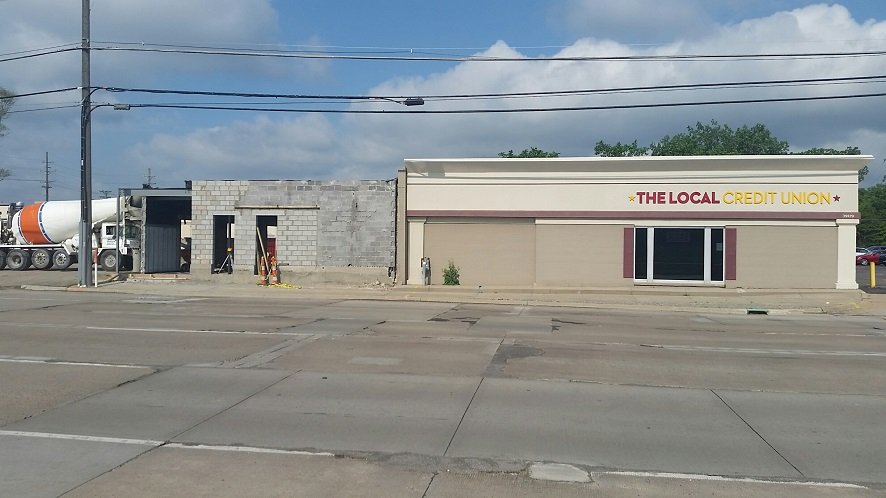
(260, 148)
(374, 146)
(636, 21)
(117, 23)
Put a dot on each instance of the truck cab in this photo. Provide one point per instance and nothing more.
(109, 250)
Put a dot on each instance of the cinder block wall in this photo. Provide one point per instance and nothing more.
(330, 227)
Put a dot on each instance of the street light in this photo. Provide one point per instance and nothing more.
(408, 101)
(84, 257)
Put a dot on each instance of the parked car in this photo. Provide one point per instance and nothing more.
(860, 250)
(869, 258)
(875, 249)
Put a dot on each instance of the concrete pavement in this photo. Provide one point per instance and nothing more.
(685, 298)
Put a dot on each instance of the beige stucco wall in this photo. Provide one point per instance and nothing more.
(580, 255)
(786, 257)
(487, 252)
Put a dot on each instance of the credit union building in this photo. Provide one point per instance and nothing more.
(721, 221)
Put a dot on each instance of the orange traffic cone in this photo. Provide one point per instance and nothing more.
(262, 275)
(274, 279)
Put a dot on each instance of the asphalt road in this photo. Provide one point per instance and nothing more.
(109, 393)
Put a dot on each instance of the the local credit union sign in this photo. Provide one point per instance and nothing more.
(735, 197)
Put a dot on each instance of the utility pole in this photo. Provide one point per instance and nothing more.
(84, 259)
(46, 182)
(149, 180)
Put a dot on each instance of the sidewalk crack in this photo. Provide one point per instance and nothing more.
(757, 433)
(462, 419)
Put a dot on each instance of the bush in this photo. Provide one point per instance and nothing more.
(450, 274)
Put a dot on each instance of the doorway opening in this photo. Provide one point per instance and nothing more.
(223, 243)
(265, 240)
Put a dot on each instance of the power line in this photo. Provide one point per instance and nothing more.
(688, 86)
(43, 49)
(49, 108)
(38, 54)
(515, 110)
(44, 92)
(412, 57)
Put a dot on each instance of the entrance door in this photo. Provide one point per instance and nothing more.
(679, 255)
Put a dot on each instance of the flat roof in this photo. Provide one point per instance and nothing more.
(792, 162)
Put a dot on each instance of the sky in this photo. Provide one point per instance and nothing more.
(402, 48)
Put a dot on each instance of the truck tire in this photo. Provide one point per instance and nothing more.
(41, 259)
(18, 259)
(61, 259)
(2, 259)
(108, 260)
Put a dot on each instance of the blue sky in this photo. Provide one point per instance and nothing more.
(180, 144)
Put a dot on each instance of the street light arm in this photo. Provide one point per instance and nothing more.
(407, 101)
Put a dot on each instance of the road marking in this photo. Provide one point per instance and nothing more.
(765, 351)
(79, 437)
(133, 329)
(163, 301)
(245, 449)
(703, 477)
(149, 442)
(193, 331)
(30, 299)
(50, 361)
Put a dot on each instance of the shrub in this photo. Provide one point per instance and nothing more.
(450, 274)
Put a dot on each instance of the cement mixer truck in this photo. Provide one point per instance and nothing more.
(45, 235)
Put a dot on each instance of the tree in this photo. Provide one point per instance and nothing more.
(6, 101)
(720, 140)
(848, 151)
(872, 206)
(533, 152)
(620, 150)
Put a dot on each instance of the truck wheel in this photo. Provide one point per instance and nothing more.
(61, 259)
(108, 260)
(41, 259)
(18, 259)
(2, 259)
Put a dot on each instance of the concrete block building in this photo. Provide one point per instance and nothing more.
(318, 231)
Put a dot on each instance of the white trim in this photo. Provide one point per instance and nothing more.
(686, 223)
(705, 477)
(246, 449)
(79, 437)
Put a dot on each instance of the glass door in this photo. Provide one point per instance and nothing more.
(678, 255)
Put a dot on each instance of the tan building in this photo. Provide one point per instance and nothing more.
(722, 221)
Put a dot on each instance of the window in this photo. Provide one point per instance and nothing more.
(677, 254)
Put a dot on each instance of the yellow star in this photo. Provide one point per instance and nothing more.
(632, 198)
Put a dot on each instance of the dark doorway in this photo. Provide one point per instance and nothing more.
(223, 244)
(265, 240)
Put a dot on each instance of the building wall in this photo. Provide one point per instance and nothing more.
(785, 256)
(579, 255)
(321, 225)
(486, 252)
(580, 213)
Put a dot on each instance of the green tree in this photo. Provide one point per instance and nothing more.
(848, 151)
(720, 140)
(533, 152)
(6, 102)
(620, 150)
(872, 206)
